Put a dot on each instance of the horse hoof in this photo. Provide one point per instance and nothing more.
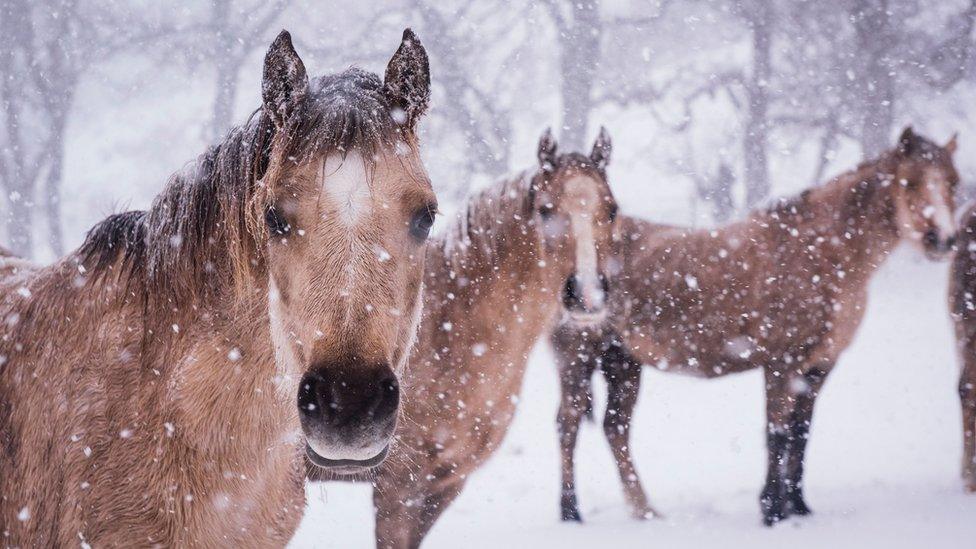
(970, 486)
(646, 513)
(571, 515)
(773, 506)
(799, 507)
(769, 519)
(569, 510)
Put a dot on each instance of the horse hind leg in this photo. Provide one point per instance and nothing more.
(623, 383)
(967, 396)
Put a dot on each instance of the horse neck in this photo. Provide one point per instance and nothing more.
(219, 361)
(506, 264)
(855, 219)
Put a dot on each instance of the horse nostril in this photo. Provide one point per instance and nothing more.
(308, 398)
(931, 238)
(950, 242)
(571, 296)
(387, 399)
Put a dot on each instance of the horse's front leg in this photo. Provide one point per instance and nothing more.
(623, 383)
(576, 362)
(405, 516)
(804, 390)
(772, 499)
(967, 396)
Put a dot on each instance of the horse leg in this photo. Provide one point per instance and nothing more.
(623, 383)
(404, 522)
(397, 515)
(576, 363)
(772, 499)
(435, 504)
(805, 390)
(967, 396)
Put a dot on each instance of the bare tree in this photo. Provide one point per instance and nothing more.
(45, 48)
(579, 30)
(236, 31)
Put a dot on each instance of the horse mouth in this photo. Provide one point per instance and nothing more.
(346, 466)
(587, 318)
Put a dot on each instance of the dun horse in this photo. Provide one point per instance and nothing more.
(962, 305)
(783, 290)
(157, 383)
(494, 284)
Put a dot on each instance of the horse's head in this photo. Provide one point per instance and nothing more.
(346, 215)
(925, 179)
(576, 211)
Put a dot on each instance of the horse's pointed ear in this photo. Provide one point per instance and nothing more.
(407, 80)
(547, 151)
(601, 149)
(906, 142)
(951, 146)
(285, 84)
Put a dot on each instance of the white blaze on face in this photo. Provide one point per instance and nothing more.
(345, 187)
(581, 223)
(287, 367)
(938, 210)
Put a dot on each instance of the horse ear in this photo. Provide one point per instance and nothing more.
(407, 80)
(906, 142)
(950, 147)
(601, 149)
(285, 84)
(547, 151)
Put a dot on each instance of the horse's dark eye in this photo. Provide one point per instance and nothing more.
(276, 222)
(421, 222)
(613, 212)
(546, 210)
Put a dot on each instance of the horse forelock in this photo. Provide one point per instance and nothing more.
(204, 232)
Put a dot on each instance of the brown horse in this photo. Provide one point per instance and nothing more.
(493, 286)
(150, 389)
(783, 290)
(962, 306)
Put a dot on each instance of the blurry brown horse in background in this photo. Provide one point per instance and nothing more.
(962, 306)
(783, 290)
(494, 284)
(149, 387)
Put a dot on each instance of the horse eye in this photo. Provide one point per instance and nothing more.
(276, 222)
(613, 212)
(422, 221)
(546, 210)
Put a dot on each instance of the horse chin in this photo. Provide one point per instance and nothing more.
(937, 255)
(937, 252)
(346, 467)
(586, 319)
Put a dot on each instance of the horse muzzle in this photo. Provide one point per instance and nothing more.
(348, 413)
(585, 305)
(936, 245)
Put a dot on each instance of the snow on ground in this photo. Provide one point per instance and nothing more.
(882, 467)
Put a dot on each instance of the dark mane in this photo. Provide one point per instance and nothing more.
(208, 220)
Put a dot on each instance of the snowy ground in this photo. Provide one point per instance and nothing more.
(883, 464)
